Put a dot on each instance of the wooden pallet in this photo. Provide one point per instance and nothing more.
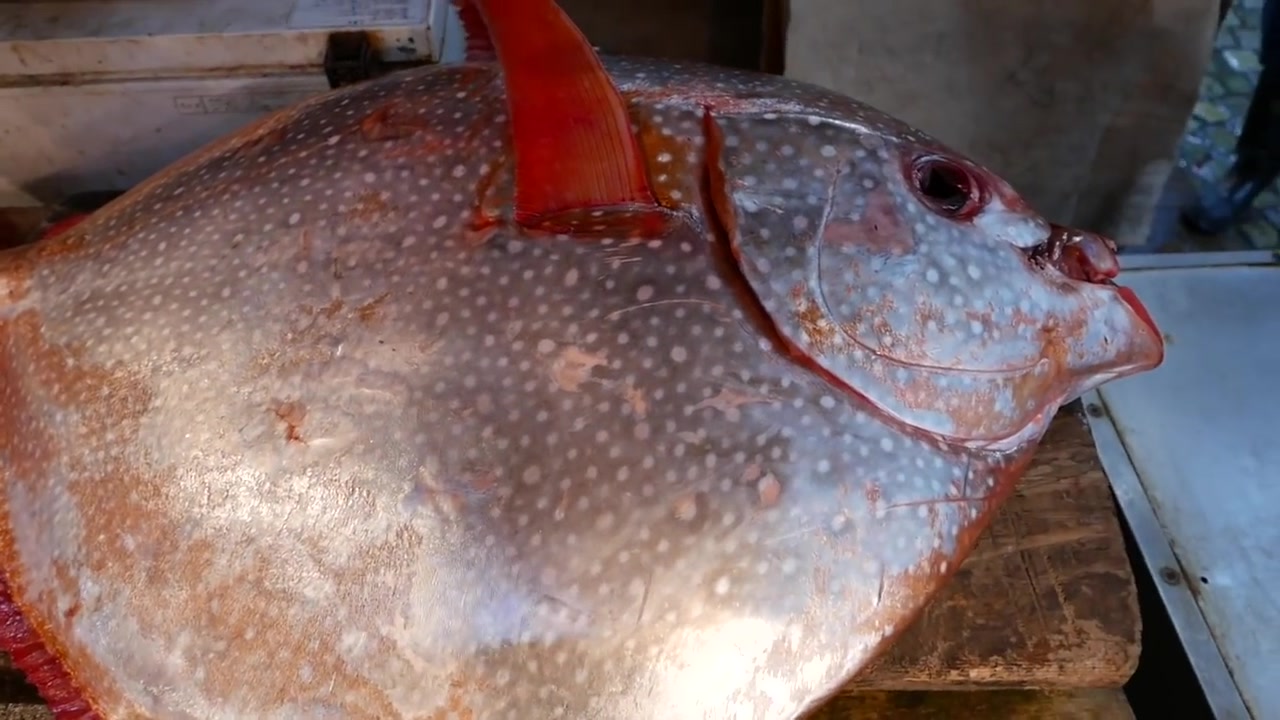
(994, 705)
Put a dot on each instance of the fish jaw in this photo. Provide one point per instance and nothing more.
(1106, 332)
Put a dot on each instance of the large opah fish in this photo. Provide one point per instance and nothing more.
(528, 388)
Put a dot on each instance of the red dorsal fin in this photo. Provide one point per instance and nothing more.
(574, 149)
(479, 46)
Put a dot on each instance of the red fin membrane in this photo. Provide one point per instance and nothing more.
(574, 149)
(479, 46)
(63, 225)
(41, 667)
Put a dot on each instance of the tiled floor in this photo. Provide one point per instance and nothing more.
(1208, 147)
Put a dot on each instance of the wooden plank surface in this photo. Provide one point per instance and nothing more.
(987, 705)
(1093, 704)
(1047, 600)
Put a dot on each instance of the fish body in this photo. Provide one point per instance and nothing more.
(309, 425)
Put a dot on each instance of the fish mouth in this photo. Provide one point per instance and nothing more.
(1088, 258)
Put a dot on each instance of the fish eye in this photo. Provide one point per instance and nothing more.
(947, 187)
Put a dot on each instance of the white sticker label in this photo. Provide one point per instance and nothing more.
(357, 13)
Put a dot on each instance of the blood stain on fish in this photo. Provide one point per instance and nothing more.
(769, 490)
(572, 366)
(292, 413)
(373, 310)
(369, 206)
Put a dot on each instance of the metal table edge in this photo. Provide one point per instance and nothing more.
(1211, 258)
(1219, 687)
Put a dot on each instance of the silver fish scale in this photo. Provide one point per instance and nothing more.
(389, 465)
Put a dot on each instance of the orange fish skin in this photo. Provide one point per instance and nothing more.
(308, 426)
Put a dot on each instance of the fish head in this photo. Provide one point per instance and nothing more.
(919, 279)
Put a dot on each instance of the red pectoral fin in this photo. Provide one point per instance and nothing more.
(574, 149)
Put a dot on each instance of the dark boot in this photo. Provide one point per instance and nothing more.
(1223, 206)
(1257, 149)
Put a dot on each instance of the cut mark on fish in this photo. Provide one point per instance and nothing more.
(384, 124)
(616, 259)
(261, 143)
(569, 614)
(636, 399)
(793, 534)
(452, 496)
(477, 235)
(728, 400)
(691, 509)
(693, 437)
(714, 100)
(644, 598)
(562, 507)
(572, 367)
(675, 301)
(482, 482)
(306, 243)
(958, 500)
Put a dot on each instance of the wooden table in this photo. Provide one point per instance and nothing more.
(1041, 621)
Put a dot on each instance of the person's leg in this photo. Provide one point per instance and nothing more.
(1257, 162)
